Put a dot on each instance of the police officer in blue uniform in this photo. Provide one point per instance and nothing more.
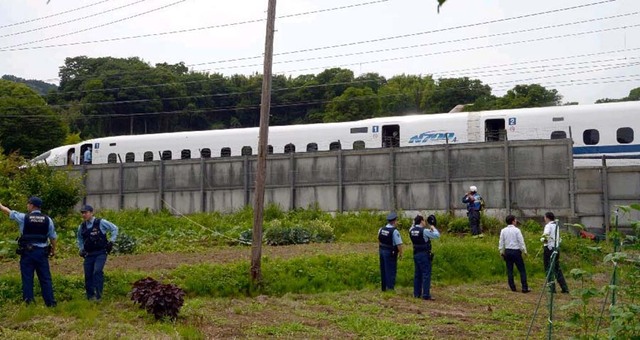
(390, 250)
(474, 204)
(93, 245)
(35, 229)
(422, 257)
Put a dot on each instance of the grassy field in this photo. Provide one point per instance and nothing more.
(317, 290)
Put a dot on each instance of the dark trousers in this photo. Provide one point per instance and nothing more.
(388, 268)
(94, 274)
(474, 222)
(36, 260)
(422, 274)
(511, 257)
(556, 266)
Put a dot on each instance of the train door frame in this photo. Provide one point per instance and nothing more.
(83, 148)
(495, 130)
(391, 136)
(72, 156)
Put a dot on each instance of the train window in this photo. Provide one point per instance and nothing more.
(335, 146)
(557, 119)
(205, 153)
(270, 149)
(112, 158)
(130, 157)
(625, 135)
(591, 136)
(166, 155)
(225, 152)
(358, 145)
(558, 135)
(148, 156)
(289, 148)
(247, 151)
(359, 130)
(312, 147)
(185, 154)
(112, 144)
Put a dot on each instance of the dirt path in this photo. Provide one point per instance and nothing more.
(169, 261)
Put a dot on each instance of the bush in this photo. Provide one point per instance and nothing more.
(491, 225)
(161, 300)
(458, 225)
(124, 244)
(321, 231)
(281, 232)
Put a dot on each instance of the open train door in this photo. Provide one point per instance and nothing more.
(83, 149)
(72, 157)
(390, 136)
(494, 130)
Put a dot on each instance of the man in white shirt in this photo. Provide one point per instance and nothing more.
(551, 236)
(511, 247)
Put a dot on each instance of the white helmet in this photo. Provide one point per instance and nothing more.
(473, 188)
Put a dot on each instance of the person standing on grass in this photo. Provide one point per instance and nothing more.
(390, 251)
(551, 239)
(473, 200)
(93, 245)
(35, 229)
(422, 257)
(511, 247)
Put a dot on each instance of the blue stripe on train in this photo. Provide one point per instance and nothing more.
(585, 150)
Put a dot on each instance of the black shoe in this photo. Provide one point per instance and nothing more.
(514, 290)
(526, 290)
(565, 292)
(428, 298)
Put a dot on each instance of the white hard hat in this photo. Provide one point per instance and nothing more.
(473, 188)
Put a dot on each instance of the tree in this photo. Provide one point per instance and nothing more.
(533, 95)
(634, 94)
(27, 125)
(353, 104)
(404, 94)
(450, 92)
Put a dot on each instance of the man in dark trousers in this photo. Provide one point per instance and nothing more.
(390, 250)
(421, 236)
(93, 245)
(511, 247)
(473, 200)
(35, 229)
(551, 239)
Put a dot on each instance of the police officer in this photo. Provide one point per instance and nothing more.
(35, 229)
(422, 257)
(390, 250)
(473, 201)
(93, 245)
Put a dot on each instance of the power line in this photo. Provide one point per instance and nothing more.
(408, 35)
(569, 35)
(11, 48)
(72, 20)
(54, 15)
(568, 82)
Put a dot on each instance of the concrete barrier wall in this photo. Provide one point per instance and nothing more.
(527, 178)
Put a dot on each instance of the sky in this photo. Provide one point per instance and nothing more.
(585, 49)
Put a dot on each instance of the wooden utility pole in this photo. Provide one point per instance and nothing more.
(263, 139)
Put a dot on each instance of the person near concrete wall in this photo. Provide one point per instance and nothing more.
(511, 247)
(93, 245)
(551, 241)
(36, 229)
(421, 237)
(473, 200)
(390, 250)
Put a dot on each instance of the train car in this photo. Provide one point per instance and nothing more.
(599, 129)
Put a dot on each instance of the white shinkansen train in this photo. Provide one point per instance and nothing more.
(598, 129)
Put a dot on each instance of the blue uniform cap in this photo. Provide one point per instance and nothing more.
(392, 216)
(35, 201)
(86, 208)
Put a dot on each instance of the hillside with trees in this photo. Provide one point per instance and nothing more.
(118, 96)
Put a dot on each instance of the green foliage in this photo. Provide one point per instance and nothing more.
(491, 225)
(59, 191)
(582, 296)
(531, 226)
(27, 124)
(458, 225)
(450, 92)
(124, 244)
(280, 232)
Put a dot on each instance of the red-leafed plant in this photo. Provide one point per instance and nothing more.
(161, 300)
